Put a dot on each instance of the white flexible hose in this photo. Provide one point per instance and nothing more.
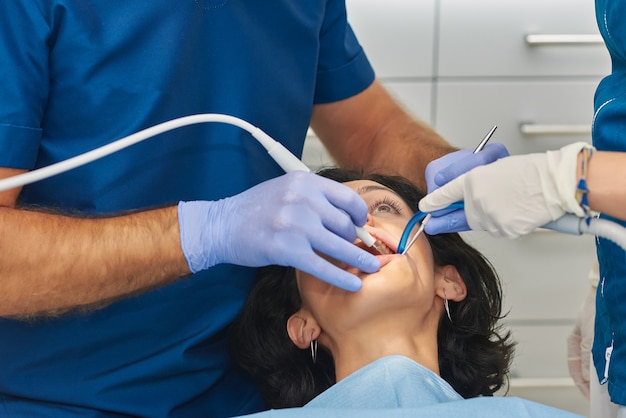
(87, 157)
(283, 157)
(572, 224)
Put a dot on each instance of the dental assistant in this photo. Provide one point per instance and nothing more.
(549, 191)
(101, 314)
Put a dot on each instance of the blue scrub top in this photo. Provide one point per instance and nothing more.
(77, 74)
(609, 134)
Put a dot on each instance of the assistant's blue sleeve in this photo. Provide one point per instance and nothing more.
(24, 79)
(609, 134)
(343, 68)
(487, 407)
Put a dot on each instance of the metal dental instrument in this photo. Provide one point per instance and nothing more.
(427, 217)
(418, 233)
(486, 139)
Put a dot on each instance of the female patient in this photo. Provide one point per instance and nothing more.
(422, 330)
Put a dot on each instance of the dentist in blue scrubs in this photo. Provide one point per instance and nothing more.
(119, 278)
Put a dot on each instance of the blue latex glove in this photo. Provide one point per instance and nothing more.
(282, 221)
(449, 167)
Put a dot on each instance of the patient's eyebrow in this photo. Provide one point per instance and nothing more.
(374, 187)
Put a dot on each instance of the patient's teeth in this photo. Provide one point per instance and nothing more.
(381, 247)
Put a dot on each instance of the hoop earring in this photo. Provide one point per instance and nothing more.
(314, 351)
(446, 305)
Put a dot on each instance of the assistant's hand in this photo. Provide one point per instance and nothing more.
(442, 170)
(281, 221)
(579, 343)
(512, 196)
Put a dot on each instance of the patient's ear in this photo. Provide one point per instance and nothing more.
(302, 328)
(449, 284)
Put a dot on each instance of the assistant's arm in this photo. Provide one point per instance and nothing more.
(371, 130)
(515, 195)
(606, 181)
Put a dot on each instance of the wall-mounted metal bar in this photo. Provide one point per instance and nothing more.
(563, 39)
(544, 129)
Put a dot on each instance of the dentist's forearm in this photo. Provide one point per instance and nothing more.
(373, 132)
(49, 263)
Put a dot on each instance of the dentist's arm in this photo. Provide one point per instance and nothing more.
(51, 262)
(518, 194)
(372, 131)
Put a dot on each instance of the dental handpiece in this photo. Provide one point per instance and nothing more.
(289, 162)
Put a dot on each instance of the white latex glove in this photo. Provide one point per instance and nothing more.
(513, 195)
(580, 340)
(450, 166)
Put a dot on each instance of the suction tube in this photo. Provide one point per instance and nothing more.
(572, 224)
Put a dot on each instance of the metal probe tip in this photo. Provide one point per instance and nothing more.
(486, 139)
(418, 233)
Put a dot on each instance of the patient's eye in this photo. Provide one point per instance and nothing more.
(386, 205)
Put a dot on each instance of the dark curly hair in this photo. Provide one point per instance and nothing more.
(474, 352)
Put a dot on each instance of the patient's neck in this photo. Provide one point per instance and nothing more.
(358, 348)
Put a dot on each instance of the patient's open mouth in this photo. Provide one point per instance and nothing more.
(379, 247)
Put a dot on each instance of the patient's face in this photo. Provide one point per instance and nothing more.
(402, 289)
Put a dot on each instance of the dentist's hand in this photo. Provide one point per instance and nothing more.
(514, 195)
(282, 221)
(443, 170)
